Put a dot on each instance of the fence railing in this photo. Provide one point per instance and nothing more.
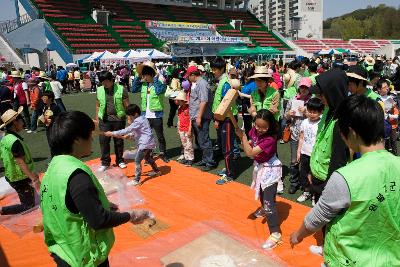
(11, 25)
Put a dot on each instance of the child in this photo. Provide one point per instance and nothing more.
(18, 163)
(139, 129)
(185, 128)
(50, 110)
(308, 132)
(267, 170)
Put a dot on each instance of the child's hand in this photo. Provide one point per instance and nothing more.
(125, 136)
(292, 113)
(108, 134)
(239, 133)
(302, 109)
(216, 124)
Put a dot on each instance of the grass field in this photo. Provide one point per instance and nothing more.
(86, 102)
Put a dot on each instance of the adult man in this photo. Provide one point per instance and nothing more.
(112, 99)
(360, 201)
(201, 115)
(358, 80)
(152, 88)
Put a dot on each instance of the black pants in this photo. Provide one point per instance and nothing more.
(26, 195)
(61, 263)
(172, 112)
(268, 202)
(48, 139)
(105, 142)
(157, 125)
(227, 144)
(27, 117)
(317, 186)
(305, 170)
(92, 85)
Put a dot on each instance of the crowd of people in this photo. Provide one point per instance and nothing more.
(339, 117)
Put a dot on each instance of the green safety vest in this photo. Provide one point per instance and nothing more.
(118, 102)
(11, 169)
(322, 151)
(47, 86)
(156, 101)
(218, 97)
(312, 77)
(269, 95)
(367, 234)
(67, 234)
(290, 93)
(372, 95)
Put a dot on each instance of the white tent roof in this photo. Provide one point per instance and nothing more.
(155, 54)
(107, 55)
(135, 56)
(93, 57)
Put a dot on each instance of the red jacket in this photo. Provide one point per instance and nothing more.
(20, 94)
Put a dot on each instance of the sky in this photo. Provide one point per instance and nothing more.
(332, 8)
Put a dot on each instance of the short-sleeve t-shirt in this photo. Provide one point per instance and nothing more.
(111, 113)
(309, 129)
(200, 93)
(184, 118)
(266, 142)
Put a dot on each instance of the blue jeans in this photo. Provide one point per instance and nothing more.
(34, 118)
(204, 140)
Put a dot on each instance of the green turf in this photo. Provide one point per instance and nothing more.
(85, 102)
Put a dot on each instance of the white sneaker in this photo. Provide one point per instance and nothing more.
(122, 165)
(279, 190)
(102, 168)
(303, 197)
(133, 183)
(181, 157)
(154, 174)
(317, 250)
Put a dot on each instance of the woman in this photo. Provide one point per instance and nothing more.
(265, 97)
(77, 217)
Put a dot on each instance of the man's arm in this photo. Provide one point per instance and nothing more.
(159, 87)
(136, 85)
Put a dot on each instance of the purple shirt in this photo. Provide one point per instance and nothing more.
(266, 142)
(141, 131)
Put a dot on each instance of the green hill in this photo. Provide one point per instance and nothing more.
(380, 22)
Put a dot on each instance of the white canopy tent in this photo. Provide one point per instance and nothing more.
(134, 56)
(155, 54)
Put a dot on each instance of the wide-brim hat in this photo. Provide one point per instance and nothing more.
(10, 116)
(261, 72)
(16, 74)
(357, 72)
(43, 75)
(370, 60)
(146, 64)
(289, 78)
(181, 96)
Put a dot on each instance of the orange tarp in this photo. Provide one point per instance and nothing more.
(190, 202)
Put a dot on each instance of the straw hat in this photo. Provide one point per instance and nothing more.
(370, 60)
(9, 116)
(181, 96)
(15, 74)
(235, 84)
(357, 72)
(146, 64)
(261, 72)
(289, 78)
(43, 75)
(201, 68)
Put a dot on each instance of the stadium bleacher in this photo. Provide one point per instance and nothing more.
(78, 30)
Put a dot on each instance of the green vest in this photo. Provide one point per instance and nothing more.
(67, 234)
(156, 101)
(11, 169)
(47, 86)
(372, 95)
(269, 95)
(218, 97)
(290, 93)
(322, 151)
(368, 233)
(118, 102)
(312, 77)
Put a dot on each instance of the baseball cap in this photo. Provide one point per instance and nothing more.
(190, 70)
